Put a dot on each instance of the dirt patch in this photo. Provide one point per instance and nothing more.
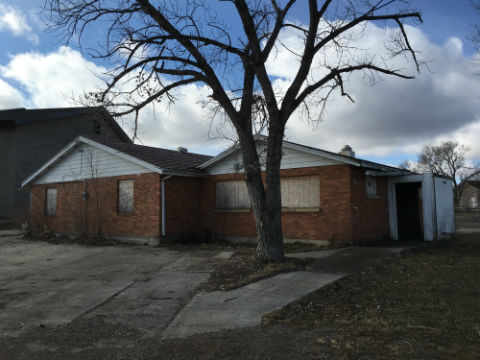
(297, 247)
(242, 269)
(57, 239)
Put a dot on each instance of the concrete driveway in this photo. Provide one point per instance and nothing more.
(42, 284)
(149, 289)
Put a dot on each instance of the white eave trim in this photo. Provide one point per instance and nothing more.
(387, 173)
(80, 139)
(220, 156)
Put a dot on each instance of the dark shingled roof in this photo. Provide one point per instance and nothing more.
(162, 158)
(22, 116)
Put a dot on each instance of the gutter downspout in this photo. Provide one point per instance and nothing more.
(85, 207)
(435, 219)
(164, 233)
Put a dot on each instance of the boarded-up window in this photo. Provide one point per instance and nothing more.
(51, 201)
(232, 195)
(300, 192)
(371, 185)
(125, 196)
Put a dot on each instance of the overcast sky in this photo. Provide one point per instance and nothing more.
(389, 122)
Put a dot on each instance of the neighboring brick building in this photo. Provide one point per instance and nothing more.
(146, 194)
(470, 198)
(28, 138)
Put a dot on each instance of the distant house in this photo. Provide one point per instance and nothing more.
(28, 138)
(470, 198)
(146, 194)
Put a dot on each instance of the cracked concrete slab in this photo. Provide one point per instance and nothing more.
(150, 289)
(42, 284)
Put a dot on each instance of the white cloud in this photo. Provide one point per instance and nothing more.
(13, 20)
(9, 96)
(62, 77)
(53, 79)
(395, 116)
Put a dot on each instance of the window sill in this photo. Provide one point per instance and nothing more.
(232, 210)
(301, 209)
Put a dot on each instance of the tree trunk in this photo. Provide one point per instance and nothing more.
(266, 200)
(270, 244)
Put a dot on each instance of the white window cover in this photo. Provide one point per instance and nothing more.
(51, 201)
(371, 185)
(300, 192)
(125, 196)
(232, 195)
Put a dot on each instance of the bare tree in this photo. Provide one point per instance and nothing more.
(166, 44)
(447, 159)
(475, 38)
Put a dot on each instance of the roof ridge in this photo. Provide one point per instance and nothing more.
(100, 140)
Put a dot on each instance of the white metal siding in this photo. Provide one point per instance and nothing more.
(291, 159)
(444, 203)
(85, 160)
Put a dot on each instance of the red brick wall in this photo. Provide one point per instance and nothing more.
(73, 217)
(182, 206)
(341, 188)
(346, 213)
(370, 220)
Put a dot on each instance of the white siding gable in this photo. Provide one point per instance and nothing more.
(291, 159)
(86, 160)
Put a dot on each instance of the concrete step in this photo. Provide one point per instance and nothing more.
(10, 232)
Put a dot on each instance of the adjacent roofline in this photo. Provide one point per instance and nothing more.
(81, 139)
(57, 113)
(116, 127)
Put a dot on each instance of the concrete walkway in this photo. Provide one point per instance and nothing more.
(244, 307)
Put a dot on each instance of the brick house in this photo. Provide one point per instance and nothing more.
(143, 194)
(29, 137)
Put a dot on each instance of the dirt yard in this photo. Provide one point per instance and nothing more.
(422, 304)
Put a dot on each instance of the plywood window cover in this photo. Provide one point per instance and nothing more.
(300, 193)
(371, 186)
(125, 196)
(232, 195)
(51, 201)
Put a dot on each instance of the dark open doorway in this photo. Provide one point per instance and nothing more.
(409, 211)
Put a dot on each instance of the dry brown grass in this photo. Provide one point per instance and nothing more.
(423, 304)
(242, 269)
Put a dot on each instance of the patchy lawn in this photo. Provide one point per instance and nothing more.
(422, 304)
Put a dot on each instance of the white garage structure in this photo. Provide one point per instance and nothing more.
(427, 198)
